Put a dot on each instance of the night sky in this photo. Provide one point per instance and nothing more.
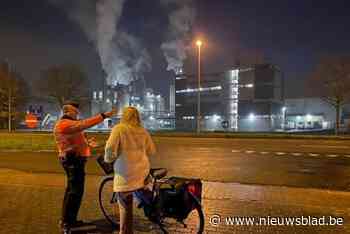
(291, 34)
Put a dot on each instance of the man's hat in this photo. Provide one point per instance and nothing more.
(71, 103)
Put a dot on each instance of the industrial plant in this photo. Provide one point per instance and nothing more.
(150, 105)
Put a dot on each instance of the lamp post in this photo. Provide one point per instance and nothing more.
(9, 97)
(199, 45)
(284, 118)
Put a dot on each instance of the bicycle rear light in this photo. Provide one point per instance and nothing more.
(195, 189)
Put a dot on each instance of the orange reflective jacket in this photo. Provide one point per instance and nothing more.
(69, 135)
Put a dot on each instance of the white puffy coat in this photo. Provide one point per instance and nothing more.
(130, 147)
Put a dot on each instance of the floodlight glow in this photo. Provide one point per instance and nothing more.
(199, 43)
(308, 117)
(216, 117)
(252, 117)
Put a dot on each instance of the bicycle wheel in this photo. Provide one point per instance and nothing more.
(111, 210)
(194, 222)
(105, 195)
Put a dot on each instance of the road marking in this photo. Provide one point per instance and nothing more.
(250, 151)
(327, 146)
(264, 152)
(235, 151)
(332, 155)
(280, 153)
(347, 156)
(313, 155)
(296, 154)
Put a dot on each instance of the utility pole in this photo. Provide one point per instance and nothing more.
(9, 97)
(199, 44)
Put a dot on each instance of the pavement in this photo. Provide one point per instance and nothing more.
(248, 184)
(31, 203)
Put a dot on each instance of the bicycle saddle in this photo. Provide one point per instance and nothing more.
(158, 173)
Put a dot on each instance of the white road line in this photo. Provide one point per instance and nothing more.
(313, 155)
(250, 151)
(264, 152)
(296, 154)
(332, 155)
(235, 151)
(327, 146)
(280, 153)
(347, 156)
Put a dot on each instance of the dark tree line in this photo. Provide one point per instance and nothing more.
(56, 84)
(65, 82)
(331, 82)
(14, 93)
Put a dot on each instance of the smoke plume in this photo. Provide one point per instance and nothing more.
(181, 19)
(128, 60)
(82, 12)
(108, 15)
(122, 56)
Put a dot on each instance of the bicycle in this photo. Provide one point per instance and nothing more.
(173, 204)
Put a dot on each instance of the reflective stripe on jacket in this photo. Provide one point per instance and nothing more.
(69, 135)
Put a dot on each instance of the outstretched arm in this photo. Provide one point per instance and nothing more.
(75, 126)
(80, 125)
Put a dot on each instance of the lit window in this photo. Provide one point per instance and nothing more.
(180, 78)
(188, 90)
(308, 117)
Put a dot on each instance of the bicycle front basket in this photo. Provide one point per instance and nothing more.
(106, 167)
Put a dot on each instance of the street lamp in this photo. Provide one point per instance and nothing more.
(199, 45)
(284, 118)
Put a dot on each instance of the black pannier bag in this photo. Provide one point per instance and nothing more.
(174, 199)
(106, 167)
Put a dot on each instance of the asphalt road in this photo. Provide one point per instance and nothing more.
(299, 163)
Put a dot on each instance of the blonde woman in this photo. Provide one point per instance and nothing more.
(129, 145)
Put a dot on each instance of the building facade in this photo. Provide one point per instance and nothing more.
(304, 114)
(241, 99)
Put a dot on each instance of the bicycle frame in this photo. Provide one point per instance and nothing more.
(153, 210)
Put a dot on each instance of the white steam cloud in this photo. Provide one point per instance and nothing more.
(181, 19)
(82, 12)
(123, 57)
(130, 60)
(108, 15)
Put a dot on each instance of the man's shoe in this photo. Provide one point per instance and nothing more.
(65, 229)
(79, 223)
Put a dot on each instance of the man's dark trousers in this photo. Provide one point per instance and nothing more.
(74, 167)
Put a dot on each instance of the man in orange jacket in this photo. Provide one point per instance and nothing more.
(73, 148)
